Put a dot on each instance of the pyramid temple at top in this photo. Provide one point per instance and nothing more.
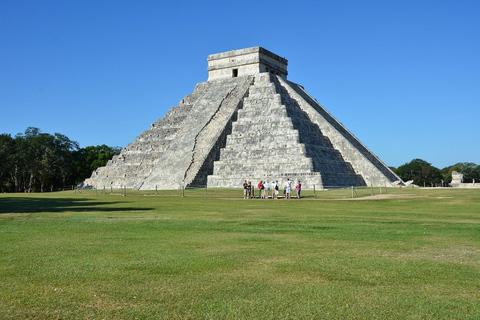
(247, 122)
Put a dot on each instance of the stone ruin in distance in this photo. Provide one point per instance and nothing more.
(247, 122)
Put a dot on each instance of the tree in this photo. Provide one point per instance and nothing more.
(65, 161)
(42, 160)
(36, 161)
(420, 171)
(7, 149)
(25, 160)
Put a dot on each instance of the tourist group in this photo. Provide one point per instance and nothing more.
(265, 189)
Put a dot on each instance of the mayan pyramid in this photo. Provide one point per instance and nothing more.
(247, 122)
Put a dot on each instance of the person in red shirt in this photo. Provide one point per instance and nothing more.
(260, 187)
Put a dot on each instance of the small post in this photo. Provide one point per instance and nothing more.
(372, 187)
(352, 193)
(314, 190)
(125, 191)
(205, 189)
(156, 189)
(380, 189)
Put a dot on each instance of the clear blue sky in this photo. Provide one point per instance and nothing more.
(403, 76)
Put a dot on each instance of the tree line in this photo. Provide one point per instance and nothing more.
(424, 174)
(37, 162)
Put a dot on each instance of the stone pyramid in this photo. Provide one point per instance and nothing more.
(247, 122)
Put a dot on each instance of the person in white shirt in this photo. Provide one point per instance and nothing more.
(275, 189)
(288, 188)
(267, 189)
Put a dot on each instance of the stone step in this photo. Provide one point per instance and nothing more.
(251, 168)
(257, 94)
(263, 113)
(262, 139)
(270, 128)
(263, 153)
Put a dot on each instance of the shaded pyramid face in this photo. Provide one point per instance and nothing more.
(245, 124)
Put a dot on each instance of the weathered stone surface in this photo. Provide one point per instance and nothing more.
(243, 62)
(245, 123)
(457, 181)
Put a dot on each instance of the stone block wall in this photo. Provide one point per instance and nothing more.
(245, 62)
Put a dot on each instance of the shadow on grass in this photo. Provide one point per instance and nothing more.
(32, 205)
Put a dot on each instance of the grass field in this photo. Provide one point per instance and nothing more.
(406, 254)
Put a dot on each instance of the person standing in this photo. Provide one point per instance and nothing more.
(274, 189)
(288, 188)
(267, 189)
(245, 190)
(299, 189)
(249, 189)
(260, 185)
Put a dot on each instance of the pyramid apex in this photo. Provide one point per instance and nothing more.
(242, 62)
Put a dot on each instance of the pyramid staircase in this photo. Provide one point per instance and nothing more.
(273, 139)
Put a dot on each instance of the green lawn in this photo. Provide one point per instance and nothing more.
(406, 254)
